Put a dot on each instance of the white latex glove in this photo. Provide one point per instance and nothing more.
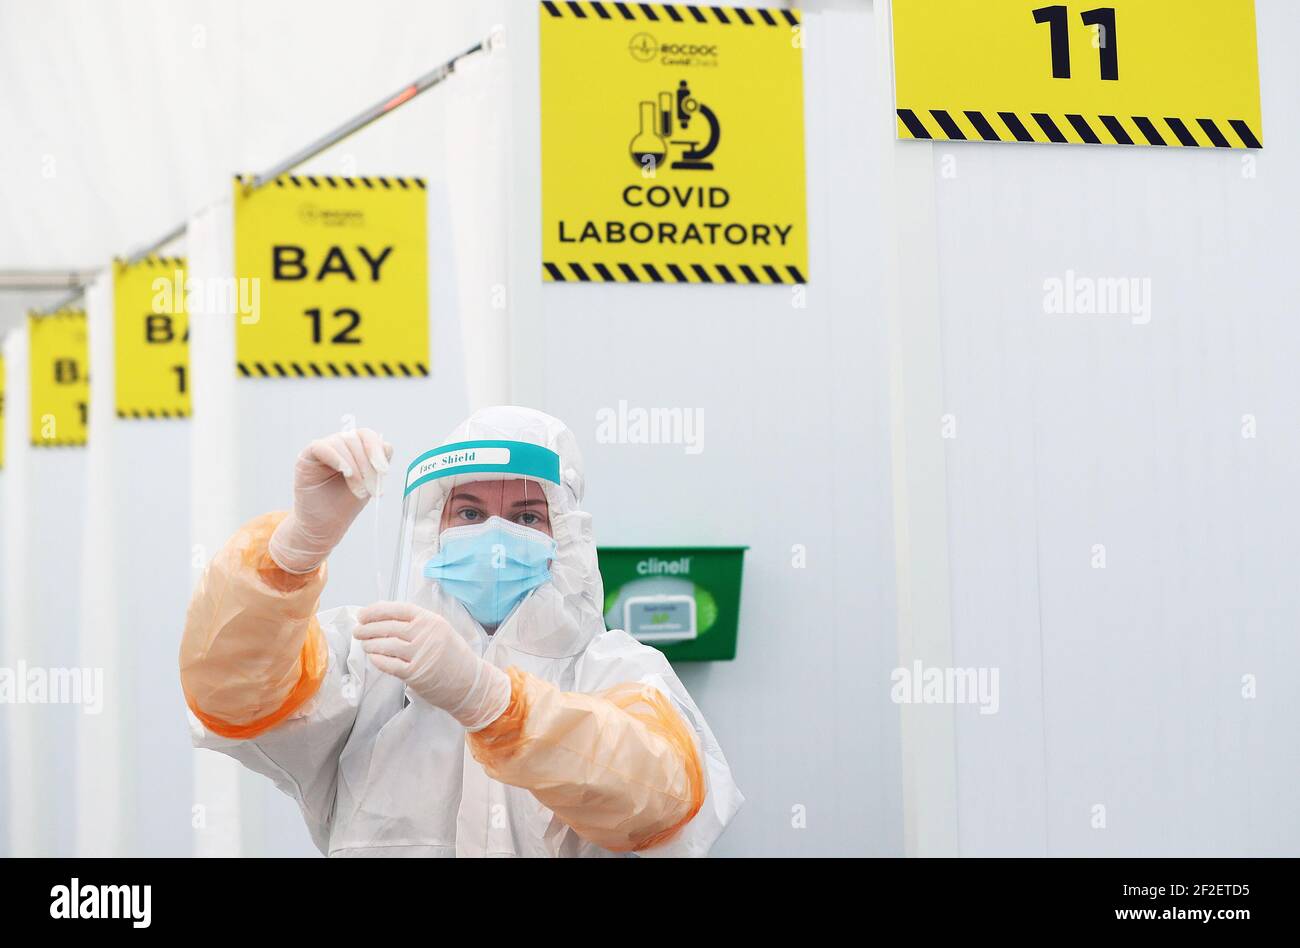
(422, 649)
(332, 480)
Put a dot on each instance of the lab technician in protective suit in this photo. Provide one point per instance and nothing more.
(484, 712)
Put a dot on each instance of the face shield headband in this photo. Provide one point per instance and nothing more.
(483, 457)
(456, 561)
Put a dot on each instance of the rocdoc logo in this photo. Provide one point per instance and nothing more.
(646, 49)
(643, 47)
(311, 215)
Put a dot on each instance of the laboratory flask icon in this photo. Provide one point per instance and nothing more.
(668, 123)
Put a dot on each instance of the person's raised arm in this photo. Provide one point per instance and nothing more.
(252, 652)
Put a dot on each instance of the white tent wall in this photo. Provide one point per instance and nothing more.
(13, 307)
(136, 585)
(14, 794)
(4, 728)
(1125, 725)
(478, 150)
(793, 391)
(44, 504)
(152, 105)
(101, 746)
(151, 503)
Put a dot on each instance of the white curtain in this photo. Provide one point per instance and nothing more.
(136, 578)
(103, 747)
(44, 505)
(15, 795)
(1121, 488)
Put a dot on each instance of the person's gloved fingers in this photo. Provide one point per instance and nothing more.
(401, 649)
(378, 451)
(389, 665)
(377, 611)
(385, 628)
(326, 453)
(364, 477)
(376, 455)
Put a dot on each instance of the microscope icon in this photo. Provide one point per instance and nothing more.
(671, 116)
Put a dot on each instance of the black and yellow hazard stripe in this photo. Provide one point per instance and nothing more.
(669, 13)
(59, 443)
(332, 370)
(151, 414)
(324, 182)
(1072, 128)
(154, 261)
(339, 183)
(761, 273)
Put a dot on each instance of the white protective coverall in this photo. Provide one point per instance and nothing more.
(601, 750)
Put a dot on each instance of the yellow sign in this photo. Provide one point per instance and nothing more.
(672, 144)
(332, 278)
(151, 339)
(1182, 73)
(60, 382)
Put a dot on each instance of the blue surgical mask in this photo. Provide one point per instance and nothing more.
(490, 567)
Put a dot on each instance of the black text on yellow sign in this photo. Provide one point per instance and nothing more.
(151, 339)
(60, 381)
(684, 161)
(334, 275)
(1179, 73)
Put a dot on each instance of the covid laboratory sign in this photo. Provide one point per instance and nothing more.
(672, 144)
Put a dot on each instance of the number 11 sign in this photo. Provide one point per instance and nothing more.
(1175, 73)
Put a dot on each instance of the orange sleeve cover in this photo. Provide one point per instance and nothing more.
(252, 652)
(620, 767)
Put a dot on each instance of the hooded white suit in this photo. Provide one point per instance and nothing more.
(377, 774)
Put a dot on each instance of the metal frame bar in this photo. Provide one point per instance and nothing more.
(63, 302)
(360, 121)
(422, 84)
(37, 280)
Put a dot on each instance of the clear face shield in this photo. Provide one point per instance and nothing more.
(476, 537)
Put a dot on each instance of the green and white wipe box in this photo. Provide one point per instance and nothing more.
(684, 601)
